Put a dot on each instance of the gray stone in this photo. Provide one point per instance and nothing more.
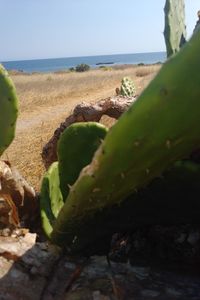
(150, 293)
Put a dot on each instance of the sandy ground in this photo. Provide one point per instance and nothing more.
(47, 99)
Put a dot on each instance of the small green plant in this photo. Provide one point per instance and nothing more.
(105, 68)
(82, 68)
(127, 87)
(141, 64)
(72, 69)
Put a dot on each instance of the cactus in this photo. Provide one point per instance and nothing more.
(8, 110)
(172, 198)
(76, 148)
(175, 29)
(51, 200)
(127, 87)
(161, 127)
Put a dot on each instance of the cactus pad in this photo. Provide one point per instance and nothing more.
(175, 29)
(76, 148)
(8, 110)
(51, 200)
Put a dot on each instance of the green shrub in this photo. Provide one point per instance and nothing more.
(105, 68)
(141, 64)
(82, 68)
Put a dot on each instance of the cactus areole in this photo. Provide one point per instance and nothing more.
(8, 110)
(161, 127)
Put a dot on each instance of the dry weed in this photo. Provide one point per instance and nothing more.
(145, 70)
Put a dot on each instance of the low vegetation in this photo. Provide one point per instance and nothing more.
(82, 68)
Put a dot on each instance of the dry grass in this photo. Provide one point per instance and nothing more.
(143, 71)
(47, 99)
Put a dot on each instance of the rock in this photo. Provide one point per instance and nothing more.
(25, 267)
(193, 238)
(18, 201)
(150, 293)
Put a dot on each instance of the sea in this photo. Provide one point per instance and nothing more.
(57, 64)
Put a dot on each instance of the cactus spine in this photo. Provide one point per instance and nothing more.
(161, 127)
(8, 110)
(175, 29)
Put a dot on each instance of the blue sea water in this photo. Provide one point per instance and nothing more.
(56, 64)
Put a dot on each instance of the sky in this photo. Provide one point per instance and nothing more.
(34, 29)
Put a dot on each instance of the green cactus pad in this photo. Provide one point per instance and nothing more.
(51, 200)
(175, 30)
(162, 126)
(127, 87)
(8, 110)
(76, 148)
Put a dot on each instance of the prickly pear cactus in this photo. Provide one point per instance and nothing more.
(76, 148)
(51, 200)
(175, 29)
(161, 127)
(127, 87)
(8, 110)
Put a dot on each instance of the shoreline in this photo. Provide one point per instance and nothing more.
(98, 66)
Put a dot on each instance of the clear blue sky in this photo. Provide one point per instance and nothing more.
(48, 28)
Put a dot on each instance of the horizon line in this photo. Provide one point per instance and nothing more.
(5, 61)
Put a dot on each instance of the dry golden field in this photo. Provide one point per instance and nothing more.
(47, 99)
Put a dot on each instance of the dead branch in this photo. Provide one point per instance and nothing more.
(85, 112)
